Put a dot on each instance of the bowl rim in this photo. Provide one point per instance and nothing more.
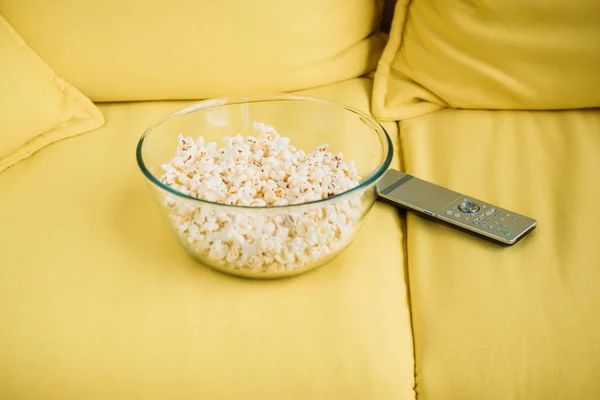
(261, 97)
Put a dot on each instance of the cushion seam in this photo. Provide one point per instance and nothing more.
(404, 227)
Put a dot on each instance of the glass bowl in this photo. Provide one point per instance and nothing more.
(268, 241)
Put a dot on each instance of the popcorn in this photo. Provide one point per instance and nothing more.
(258, 172)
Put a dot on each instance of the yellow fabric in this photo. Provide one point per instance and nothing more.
(189, 49)
(519, 322)
(36, 106)
(97, 300)
(499, 54)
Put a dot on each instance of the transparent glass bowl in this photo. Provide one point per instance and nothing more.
(306, 235)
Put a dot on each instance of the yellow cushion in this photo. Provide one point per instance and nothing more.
(36, 106)
(189, 49)
(516, 322)
(97, 300)
(499, 54)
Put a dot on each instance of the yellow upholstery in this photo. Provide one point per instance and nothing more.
(37, 107)
(497, 54)
(97, 300)
(116, 50)
(508, 323)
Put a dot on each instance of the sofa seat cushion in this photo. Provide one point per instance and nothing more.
(97, 300)
(516, 322)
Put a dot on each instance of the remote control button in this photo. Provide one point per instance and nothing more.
(495, 222)
(457, 215)
(498, 230)
(449, 212)
(500, 212)
(495, 216)
(467, 219)
(491, 227)
(484, 206)
(504, 225)
(507, 214)
(476, 221)
(469, 207)
(490, 212)
(507, 233)
(483, 224)
(515, 217)
(501, 218)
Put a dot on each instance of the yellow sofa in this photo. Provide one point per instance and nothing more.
(97, 301)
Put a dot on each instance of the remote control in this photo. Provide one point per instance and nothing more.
(461, 211)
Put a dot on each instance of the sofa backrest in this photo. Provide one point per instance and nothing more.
(489, 54)
(120, 50)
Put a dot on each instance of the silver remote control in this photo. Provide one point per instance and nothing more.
(476, 216)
